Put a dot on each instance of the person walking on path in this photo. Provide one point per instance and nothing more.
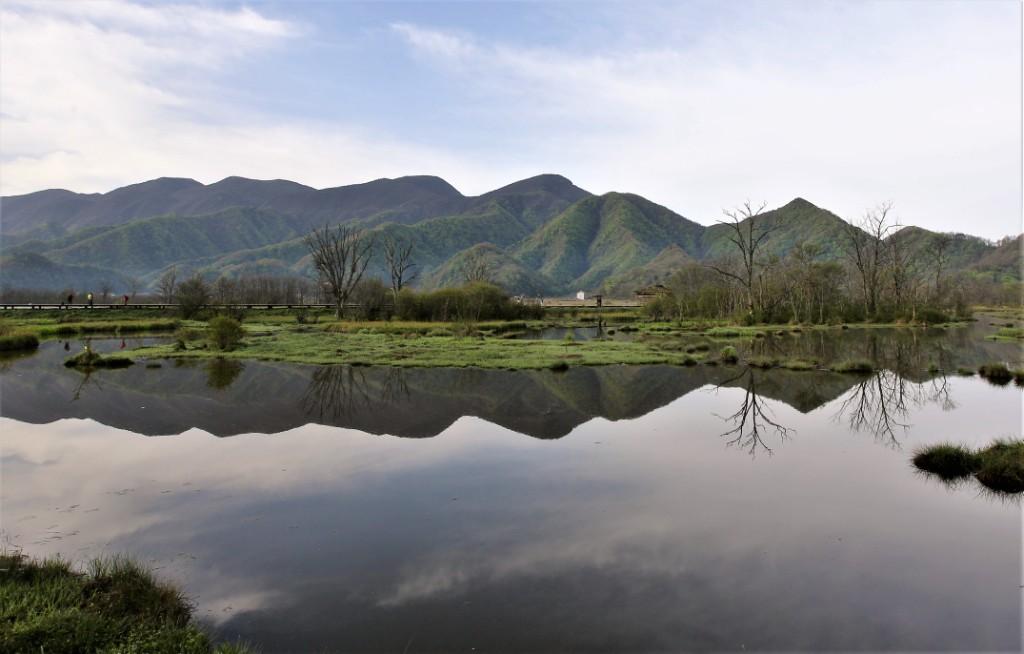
(88, 297)
(126, 300)
(71, 298)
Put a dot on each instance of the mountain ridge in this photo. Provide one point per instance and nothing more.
(543, 234)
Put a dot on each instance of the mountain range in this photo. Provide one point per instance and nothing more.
(540, 236)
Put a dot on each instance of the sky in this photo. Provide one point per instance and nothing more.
(698, 106)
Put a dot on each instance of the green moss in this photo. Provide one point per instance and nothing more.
(114, 606)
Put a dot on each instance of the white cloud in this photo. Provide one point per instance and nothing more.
(845, 107)
(97, 95)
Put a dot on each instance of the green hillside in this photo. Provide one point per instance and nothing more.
(34, 271)
(543, 234)
(603, 236)
(796, 222)
(142, 246)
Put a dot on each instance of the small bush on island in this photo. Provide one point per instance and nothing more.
(225, 333)
(762, 362)
(965, 372)
(116, 605)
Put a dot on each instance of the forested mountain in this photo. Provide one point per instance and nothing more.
(541, 235)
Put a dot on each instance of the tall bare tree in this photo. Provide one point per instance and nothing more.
(748, 235)
(476, 267)
(168, 284)
(398, 258)
(938, 253)
(866, 249)
(340, 256)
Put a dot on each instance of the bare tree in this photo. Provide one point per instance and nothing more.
(748, 235)
(340, 256)
(938, 252)
(866, 250)
(134, 284)
(476, 267)
(168, 284)
(398, 257)
(105, 289)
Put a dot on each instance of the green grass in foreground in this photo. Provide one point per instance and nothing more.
(999, 467)
(115, 607)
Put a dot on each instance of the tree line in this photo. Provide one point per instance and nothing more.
(879, 278)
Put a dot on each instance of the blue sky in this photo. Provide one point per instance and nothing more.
(697, 106)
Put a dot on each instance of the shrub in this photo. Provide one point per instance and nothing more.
(225, 333)
(965, 372)
(559, 366)
(192, 295)
(472, 303)
(728, 354)
(932, 315)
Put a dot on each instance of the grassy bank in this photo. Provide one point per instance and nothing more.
(114, 606)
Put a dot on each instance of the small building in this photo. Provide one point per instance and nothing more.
(652, 292)
(580, 295)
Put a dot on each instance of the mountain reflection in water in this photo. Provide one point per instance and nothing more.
(645, 527)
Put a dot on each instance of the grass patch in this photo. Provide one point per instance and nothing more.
(762, 362)
(728, 354)
(997, 373)
(999, 467)
(798, 364)
(18, 341)
(1002, 467)
(965, 372)
(1008, 334)
(947, 461)
(853, 365)
(88, 359)
(116, 605)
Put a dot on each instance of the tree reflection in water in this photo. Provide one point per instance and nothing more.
(882, 403)
(335, 391)
(221, 373)
(752, 419)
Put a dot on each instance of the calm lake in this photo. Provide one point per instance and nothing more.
(606, 509)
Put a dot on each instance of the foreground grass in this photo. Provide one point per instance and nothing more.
(999, 467)
(115, 607)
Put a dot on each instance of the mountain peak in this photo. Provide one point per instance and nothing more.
(799, 203)
(547, 182)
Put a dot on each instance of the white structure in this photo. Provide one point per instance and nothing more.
(580, 295)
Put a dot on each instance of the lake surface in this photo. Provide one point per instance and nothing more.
(609, 509)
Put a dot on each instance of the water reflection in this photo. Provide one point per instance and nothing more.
(221, 373)
(753, 418)
(883, 401)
